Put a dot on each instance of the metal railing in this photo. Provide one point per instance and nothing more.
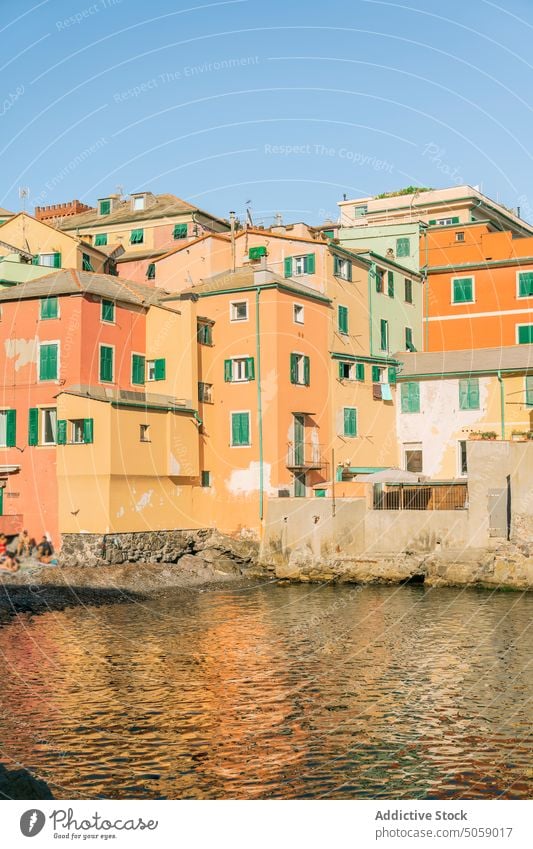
(305, 455)
(448, 496)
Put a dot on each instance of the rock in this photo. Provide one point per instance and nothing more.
(21, 784)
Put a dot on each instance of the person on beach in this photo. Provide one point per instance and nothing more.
(24, 547)
(3, 546)
(45, 551)
(9, 563)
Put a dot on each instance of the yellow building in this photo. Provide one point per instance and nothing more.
(49, 247)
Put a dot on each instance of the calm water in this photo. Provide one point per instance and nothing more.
(269, 692)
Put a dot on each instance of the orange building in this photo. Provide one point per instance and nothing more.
(480, 287)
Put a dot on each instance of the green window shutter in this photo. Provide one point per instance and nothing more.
(137, 237)
(408, 290)
(250, 368)
(336, 266)
(160, 368)
(287, 266)
(525, 334)
(150, 271)
(57, 261)
(529, 390)
(205, 334)
(48, 362)
(245, 428)
(375, 374)
(240, 428)
(350, 421)
(33, 426)
(35, 260)
(100, 240)
(294, 368)
(11, 428)
(390, 283)
(137, 369)
(403, 247)
(410, 397)
(433, 221)
(228, 371)
(206, 478)
(49, 308)
(455, 220)
(106, 364)
(463, 290)
(108, 310)
(404, 393)
(88, 428)
(473, 393)
(349, 271)
(61, 432)
(379, 280)
(180, 231)
(360, 371)
(341, 375)
(392, 375)
(86, 263)
(343, 319)
(105, 207)
(307, 377)
(384, 334)
(257, 252)
(310, 264)
(409, 339)
(525, 284)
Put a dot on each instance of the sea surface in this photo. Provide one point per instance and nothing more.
(268, 691)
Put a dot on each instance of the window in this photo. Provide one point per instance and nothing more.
(444, 222)
(342, 314)
(106, 363)
(390, 284)
(298, 314)
(137, 237)
(350, 421)
(408, 289)
(409, 339)
(156, 369)
(48, 426)
(81, 431)
(204, 333)
(346, 371)
(524, 334)
(380, 274)
(206, 479)
(469, 394)
(100, 240)
(257, 252)
(137, 369)
(49, 308)
(342, 268)
(463, 466)
(240, 429)
(460, 236)
(150, 271)
(297, 265)
(463, 290)
(104, 207)
(529, 390)
(86, 264)
(360, 210)
(360, 371)
(8, 428)
(144, 433)
(238, 311)
(377, 374)
(180, 231)
(299, 369)
(205, 392)
(384, 334)
(107, 312)
(413, 457)
(48, 361)
(239, 369)
(391, 374)
(138, 203)
(410, 397)
(525, 284)
(403, 247)
(49, 260)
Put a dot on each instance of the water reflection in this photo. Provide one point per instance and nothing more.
(285, 692)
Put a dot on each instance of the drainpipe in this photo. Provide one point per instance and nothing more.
(259, 401)
(502, 404)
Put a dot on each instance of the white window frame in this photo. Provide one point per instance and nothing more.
(460, 233)
(301, 368)
(209, 393)
(387, 333)
(299, 261)
(42, 411)
(518, 295)
(463, 277)
(445, 222)
(239, 364)
(72, 427)
(301, 308)
(233, 312)
(249, 413)
(4, 411)
(524, 324)
(100, 346)
(49, 342)
(144, 435)
(460, 473)
(343, 267)
(352, 369)
(44, 264)
(147, 364)
(412, 446)
(139, 203)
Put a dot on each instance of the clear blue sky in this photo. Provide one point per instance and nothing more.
(284, 104)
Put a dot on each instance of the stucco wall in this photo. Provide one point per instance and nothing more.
(395, 531)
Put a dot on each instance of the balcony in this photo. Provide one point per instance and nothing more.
(305, 456)
(445, 495)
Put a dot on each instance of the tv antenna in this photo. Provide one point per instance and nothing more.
(24, 192)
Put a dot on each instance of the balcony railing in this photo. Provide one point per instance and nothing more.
(305, 456)
(427, 496)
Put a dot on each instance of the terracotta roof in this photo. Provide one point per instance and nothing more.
(164, 205)
(69, 282)
(248, 278)
(444, 363)
(126, 397)
(5, 212)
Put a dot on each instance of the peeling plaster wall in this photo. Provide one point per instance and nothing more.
(246, 481)
(23, 351)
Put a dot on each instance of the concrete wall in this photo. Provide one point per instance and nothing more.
(396, 531)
